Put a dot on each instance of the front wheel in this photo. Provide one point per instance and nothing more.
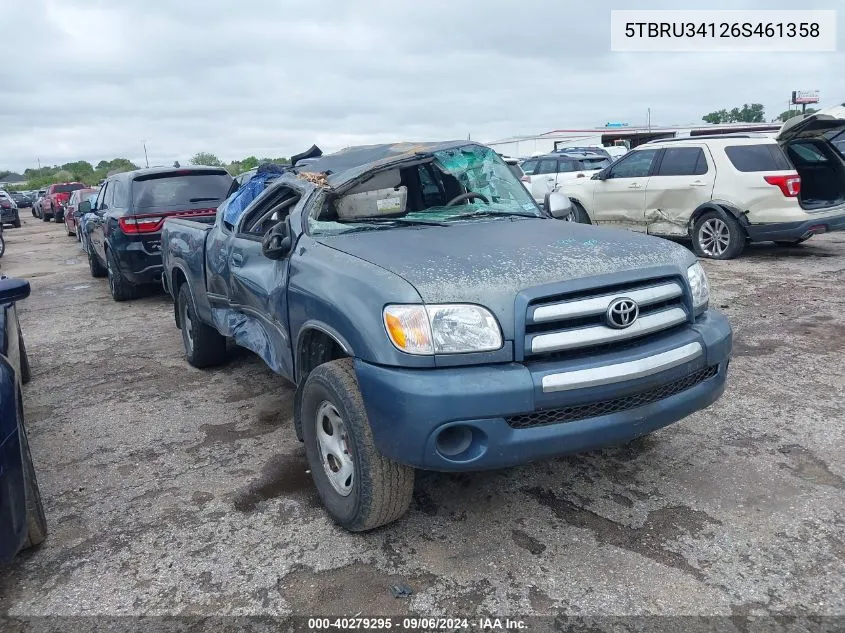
(360, 488)
(94, 265)
(204, 346)
(717, 236)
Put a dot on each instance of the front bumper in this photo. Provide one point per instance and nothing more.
(787, 231)
(473, 418)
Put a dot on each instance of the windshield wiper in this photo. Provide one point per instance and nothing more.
(202, 199)
(405, 221)
(482, 213)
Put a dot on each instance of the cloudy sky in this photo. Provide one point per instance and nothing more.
(91, 79)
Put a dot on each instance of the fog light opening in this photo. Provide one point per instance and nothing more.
(454, 440)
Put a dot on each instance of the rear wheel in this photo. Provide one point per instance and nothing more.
(121, 289)
(17, 222)
(717, 236)
(36, 521)
(204, 346)
(45, 217)
(94, 265)
(360, 488)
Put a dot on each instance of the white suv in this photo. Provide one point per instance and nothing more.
(724, 191)
(544, 173)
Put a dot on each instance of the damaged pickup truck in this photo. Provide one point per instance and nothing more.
(432, 316)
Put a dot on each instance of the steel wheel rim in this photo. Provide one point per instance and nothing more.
(188, 328)
(714, 237)
(333, 449)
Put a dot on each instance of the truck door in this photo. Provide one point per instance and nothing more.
(258, 285)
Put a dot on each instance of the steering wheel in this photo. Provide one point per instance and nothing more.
(469, 195)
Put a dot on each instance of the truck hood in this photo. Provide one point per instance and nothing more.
(490, 262)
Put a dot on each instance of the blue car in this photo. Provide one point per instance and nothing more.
(84, 214)
(22, 521)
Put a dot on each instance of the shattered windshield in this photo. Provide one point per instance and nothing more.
(463, 184)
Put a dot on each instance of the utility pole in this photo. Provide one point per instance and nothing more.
(649, 120)
(39, 163)
(146, 160)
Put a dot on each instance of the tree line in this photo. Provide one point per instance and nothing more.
(750, 113)
(84, 172)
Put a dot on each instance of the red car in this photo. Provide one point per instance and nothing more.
(55, 200)
(76, 197)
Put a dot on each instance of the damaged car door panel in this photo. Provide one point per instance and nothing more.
(433, 316)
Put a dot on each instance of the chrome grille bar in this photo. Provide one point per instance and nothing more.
(598, 305)
(601, 334)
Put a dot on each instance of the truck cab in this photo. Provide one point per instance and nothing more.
(433, 316)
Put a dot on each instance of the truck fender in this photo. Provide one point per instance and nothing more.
(173, 288)
(312, 325)
(719, 206)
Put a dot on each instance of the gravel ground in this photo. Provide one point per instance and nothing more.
(171, 490)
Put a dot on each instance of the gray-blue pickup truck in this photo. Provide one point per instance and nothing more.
(433, 316)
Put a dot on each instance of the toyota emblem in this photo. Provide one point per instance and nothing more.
(622, 313)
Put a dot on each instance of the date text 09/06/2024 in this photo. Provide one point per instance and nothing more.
(415, 624)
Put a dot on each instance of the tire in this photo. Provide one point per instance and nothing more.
(120, 288)
(379, 490)
(718, 236)
(26, 370)
(580, 214)
(45, 217)
(204, 346)
(34, 214)
(36, 521)
(2, 244)
(94, 265)
(17, 222)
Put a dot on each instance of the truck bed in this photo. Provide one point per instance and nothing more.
(183, 248)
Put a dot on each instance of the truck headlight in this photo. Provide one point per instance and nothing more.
(699, 286)
(449, 328)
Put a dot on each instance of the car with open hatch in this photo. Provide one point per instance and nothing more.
(433, 316)
(724, 191)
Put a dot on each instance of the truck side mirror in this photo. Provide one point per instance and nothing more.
(560, 206)
(276, 242)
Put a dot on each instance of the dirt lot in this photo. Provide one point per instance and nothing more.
(170, 490)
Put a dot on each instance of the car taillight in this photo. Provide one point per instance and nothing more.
(5, 204)
(789, 184)
(141, 224)
(153, 223)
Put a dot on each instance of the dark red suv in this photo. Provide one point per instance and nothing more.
(55, 200)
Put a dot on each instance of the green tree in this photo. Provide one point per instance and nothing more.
(206, 158)
(748, 113)
(788, 114)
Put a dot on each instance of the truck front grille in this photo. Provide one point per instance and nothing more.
(604, 407)
(569, 323)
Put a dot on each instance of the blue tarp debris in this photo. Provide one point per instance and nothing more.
(240, 200)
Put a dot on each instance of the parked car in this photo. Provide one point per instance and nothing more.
(726, 190)
(21, 198)
(544, 173)
(55, 200)
(2, 241)
(22, 521)
(37, 198)
(124, 235)
(590, 149)
(82, 214)
(433, 316)
(9, 212)
(70, 218)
